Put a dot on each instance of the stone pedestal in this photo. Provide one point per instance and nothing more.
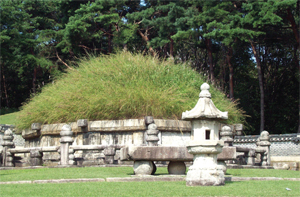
(143, 167)
(205, 171)
(177, 167)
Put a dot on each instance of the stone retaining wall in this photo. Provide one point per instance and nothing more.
(281, 145)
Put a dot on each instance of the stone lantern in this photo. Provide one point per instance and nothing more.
(205, 143)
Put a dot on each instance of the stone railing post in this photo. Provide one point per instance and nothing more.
(36, 158)
(83, 127)
(8, 143)
(147, 167)
(72, 157)
(226, 135)
(251, 157)
(65, 141)
(152, 132)
(264, 144)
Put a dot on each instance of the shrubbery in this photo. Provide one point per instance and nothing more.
(121, 86)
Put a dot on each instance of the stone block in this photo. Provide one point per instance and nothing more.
(36, 161)
(36, 126)
(173, 125)
(118, 125)
(238, 127)
(228, 153)
(155, 153)
(149, 120)
(109, 151)
(82, 122)
(36, 154)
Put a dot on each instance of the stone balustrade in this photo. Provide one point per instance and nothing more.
(113, 135)
(68, 149)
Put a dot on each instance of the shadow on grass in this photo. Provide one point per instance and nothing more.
(5, 110)
(156, 174)
(233, 174)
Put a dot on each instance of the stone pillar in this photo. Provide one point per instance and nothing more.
(65, 141)
(251, 157)
(109, 155)
(226, 136)
(148, 167)
(264, 144)
(152, 132)
(8, 143)
(258, 157)
(72, 157)
(36, 158)
(83, 127)
(238, 129)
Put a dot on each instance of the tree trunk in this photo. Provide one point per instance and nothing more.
(228, 58)
(299, 94)
(171, 47)
(261, 87)
(296, 34)
(5, 88)
(210, 60)
(109, 40)
(146, 39)
(33, 81)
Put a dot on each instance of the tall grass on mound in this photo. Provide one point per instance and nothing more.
(121, 86)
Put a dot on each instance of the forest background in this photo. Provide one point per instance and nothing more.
(248, 49)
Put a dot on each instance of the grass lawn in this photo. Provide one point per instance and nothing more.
(105, 172)
(132, 189)
(177, 188)
(8, 118)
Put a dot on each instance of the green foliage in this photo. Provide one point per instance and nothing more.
(39, 39)
(27, 27)
(121, 86)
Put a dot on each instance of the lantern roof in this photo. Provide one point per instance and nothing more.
(205, 108)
